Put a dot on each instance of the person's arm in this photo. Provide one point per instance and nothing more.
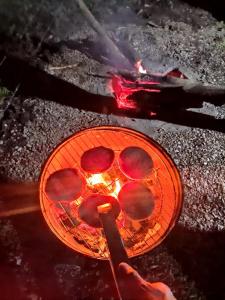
(136, 288)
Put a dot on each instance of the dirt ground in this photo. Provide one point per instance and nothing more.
(53, 36)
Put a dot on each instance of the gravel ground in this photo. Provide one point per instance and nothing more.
(181, 36)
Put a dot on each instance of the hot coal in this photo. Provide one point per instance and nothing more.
(97, 160)
(64, 185)
(88, 209)
(135, 162)
(136, 200)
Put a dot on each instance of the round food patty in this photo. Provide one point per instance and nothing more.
(136, 200)
(88, 211)
(97, 160)
(135, 162)
(64, 185)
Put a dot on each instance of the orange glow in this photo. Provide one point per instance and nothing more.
(123, 92)
(138, 236)
(96, 179)
(104, 208)
(116, 189)
(139, 67)
(105, 182)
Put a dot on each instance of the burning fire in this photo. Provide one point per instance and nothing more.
(96, 179)
(140, 68)
(116, 189)
(105, 182)
(123, 92)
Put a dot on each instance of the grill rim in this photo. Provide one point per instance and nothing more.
(174, 170)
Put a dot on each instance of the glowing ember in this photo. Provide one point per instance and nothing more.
(123, 93)
(116, 189)
(124, 89)
(96, 179)
(104, 182)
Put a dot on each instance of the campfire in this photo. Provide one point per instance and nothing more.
(123, 88)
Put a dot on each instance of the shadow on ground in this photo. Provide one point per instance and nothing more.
(216, 8)
(200, 254)
(43, 252)
(202, 257)
(34, 82)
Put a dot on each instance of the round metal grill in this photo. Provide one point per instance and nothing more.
(139, 236)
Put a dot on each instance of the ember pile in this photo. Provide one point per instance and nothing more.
(124, 85)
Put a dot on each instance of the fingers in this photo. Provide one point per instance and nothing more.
(139, 289)
(131, 283)
(168, 295)
(129, 273)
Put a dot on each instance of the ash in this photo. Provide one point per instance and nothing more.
(172, 34)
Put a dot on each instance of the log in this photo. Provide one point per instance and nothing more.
(170, 85)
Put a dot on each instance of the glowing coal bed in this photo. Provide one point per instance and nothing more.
(160, 185)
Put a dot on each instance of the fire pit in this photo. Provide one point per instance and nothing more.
(161, 185)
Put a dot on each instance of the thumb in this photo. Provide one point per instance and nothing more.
(133, 285)
(130, 274)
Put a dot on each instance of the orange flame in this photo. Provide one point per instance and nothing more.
(116, 189)
(113, 186)
(140, 68)
(96, 179)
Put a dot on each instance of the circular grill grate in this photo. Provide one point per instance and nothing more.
(138, 236)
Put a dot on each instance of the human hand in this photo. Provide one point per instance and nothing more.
(136, 288)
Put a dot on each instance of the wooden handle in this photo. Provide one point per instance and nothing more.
(116, 248)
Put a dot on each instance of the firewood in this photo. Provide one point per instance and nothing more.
(170, 85)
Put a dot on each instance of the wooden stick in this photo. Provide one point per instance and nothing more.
(63, 67)
(115, 51)
(18, 198)
(6, 213)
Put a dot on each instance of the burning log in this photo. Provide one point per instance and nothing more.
(156, 92)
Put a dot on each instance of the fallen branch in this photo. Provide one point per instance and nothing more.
(63, 67)
(18, 198)
(194, 93)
